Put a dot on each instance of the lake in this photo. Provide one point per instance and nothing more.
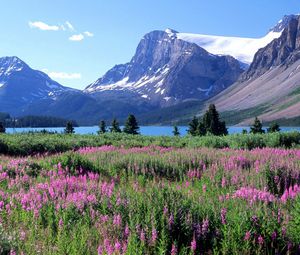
(145, 130)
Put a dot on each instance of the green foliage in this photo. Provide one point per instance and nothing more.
(39, 143)
(176, 131)
(244, 131)
(115, 127)
(2, 128)
(37, 121)
(7, 241)
(102, 127)
(131, 125)
(193, 126)
(257, 127)
(69, 128)
(274, 127)
(212, 123)
(294, 223)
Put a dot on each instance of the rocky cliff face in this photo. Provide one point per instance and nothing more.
(282, 51)
(166, 70)
(270, 87)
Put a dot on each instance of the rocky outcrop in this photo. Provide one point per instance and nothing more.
(166, 70)
(282, 51)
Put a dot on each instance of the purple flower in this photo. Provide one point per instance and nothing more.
(247, 236)
(260, 240)
(223, 216)
(154, 235)
(193, 244)
(174, 249)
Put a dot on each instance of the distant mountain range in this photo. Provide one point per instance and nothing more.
(172, 77)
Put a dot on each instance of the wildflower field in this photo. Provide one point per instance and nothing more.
(151, 200)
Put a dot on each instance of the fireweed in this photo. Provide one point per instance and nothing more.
(150, 200)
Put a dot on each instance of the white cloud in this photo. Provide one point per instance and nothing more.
(77, 38)
(70, 26)
(43, 26)
(67, 26)
(62, 75)
(89, 34)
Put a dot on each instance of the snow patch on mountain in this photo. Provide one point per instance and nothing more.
(243, 49)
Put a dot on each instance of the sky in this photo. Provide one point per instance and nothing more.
(77, 41)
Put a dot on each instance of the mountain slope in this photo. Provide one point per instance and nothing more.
(272, 82)
(166, 71)
(20, 85)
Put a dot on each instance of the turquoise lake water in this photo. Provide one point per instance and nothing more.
(144, 130)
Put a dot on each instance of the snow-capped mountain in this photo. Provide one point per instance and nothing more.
(166, 70)
(173, 69)
(20, 85)
(240, 48)
(271, 84)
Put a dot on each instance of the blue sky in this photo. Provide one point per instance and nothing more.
(106, 33)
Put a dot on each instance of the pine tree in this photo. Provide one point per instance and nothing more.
(212, 123)
(69, 128)
(201, 129)
(176, 131)
(193, 126)
(131, 125)
(257, 127)
(102, 127)
(115, 128)
(2, 128)
(244, 131)
(274, 127)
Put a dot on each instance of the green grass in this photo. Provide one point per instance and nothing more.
(30, 144)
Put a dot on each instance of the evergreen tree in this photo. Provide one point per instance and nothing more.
(102, 127)
(212, 123)
(115, 128)
(244, 131)
(176, 131)
(69, 128)
(274, 127)
(2, 128)
(201, 129)
(131, 125)
(193, 126)
(257, 127)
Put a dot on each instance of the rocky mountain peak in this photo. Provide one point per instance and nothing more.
(283, 23)
(282, 51)
(9, 65)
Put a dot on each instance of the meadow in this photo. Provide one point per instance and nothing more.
(24, 144)
(115, 195)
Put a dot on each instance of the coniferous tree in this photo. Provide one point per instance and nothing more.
(274, 127)
(176, 131)
(193, 126)
(115, 127)
(69, 128)
(244, 131)
(131, 125)
(212, 123)
(2, 128)
(201, 129)
(257, 127)
(102, 127)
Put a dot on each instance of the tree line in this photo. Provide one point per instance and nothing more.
(209, 124)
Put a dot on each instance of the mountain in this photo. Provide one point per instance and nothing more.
(172, 77)
(270, 88)
(166, 70)
(24, 91)
(21, 86)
